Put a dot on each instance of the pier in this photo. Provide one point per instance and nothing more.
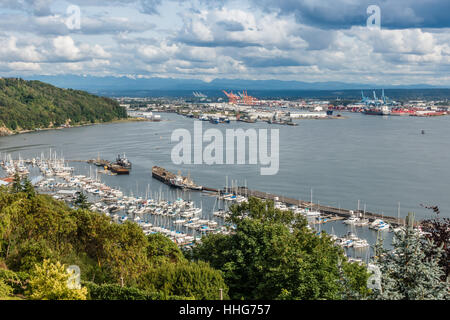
(328, 210)
(332, 213)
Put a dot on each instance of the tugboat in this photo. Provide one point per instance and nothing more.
(118, 169)
(123, 162)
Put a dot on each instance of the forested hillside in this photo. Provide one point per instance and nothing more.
(27, 105)
(40, 237)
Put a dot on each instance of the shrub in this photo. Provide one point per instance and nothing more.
(116, 292)
(49, 282)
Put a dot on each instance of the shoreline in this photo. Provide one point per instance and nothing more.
(130, 119)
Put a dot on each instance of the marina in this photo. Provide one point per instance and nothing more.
(177, 218)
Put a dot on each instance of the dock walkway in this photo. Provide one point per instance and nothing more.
(345, 213)
(329, 210)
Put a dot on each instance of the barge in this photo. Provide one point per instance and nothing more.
(173, 180)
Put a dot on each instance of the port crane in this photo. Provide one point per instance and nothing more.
(232, 98)
(243, 98)
(376, 101)
(248, 99)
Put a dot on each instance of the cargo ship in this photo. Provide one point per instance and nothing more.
(402, 112)
(383, 111)
(177, 181)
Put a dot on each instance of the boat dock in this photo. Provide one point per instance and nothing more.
(337, 213)
(179, 181)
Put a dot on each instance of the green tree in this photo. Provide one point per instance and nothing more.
(81, 201)
(186, 279)
(36, 230)
(17, 183)
(28, 188)
(49, 282)
(411, 271)
(5, 290)
(26, 254)
(272, 255)
(126, 253)
(34, 104)
(161, 249)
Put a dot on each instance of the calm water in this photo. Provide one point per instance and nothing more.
(378, 160)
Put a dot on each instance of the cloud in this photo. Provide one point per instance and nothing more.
(10, 50)
(229, 25)
(34, 7)
(64, 47)
(150, 6)
(24, 66)
(338, 14)
(289, 39)
(238, 28)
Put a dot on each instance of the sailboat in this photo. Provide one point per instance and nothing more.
(399, 228)
(363, 221)
(311, 212)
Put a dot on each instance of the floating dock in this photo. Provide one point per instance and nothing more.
(167, 177)
(345, 213)
(338, 213)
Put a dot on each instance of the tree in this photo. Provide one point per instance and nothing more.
(5, 290)
(272, 255)
(438, 230)
(161, 249)
(26, 254)
(32, 104)
(40, 229)
(185, 279)
(126, 253)
(411, 270)
(28, 188)
(49, 282)
(81, 200)
(17, 183)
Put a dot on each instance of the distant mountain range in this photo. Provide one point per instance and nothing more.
(116, 85)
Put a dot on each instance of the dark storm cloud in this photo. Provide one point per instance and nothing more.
(337, 14)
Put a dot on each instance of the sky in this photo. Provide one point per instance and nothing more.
(304, 40)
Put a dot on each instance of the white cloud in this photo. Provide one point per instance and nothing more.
(11, 51)
(65, 48)
(226, 39)
(24, 66)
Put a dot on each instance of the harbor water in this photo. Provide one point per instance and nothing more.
(380, 161)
